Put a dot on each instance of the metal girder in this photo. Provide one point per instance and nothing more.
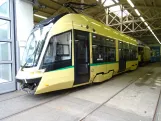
(112, 5)
(42, 4)
(140, 7)
(150, 7)
(56, 2)
(134, 21)
(104, 8)
(133, 25)
(141, 30)
(42, 11)
(146, 13)
(146, 35)
(61, 10)
(136, 6)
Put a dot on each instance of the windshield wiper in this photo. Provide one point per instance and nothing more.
(36, 52)
(37, 47)
(22, 67)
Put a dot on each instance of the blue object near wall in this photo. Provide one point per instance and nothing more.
(155, 55)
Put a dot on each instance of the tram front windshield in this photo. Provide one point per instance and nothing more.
(34, 46)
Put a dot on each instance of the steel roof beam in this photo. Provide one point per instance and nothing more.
(151, 7)
(56, 2)
(141, 30)
(136, 6)
(47, 6)
(112, 5)
(147, 35)
(154, 3)
(133, 21)
(38, 10)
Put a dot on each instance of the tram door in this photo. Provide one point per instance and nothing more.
(122, 59)
(81, 57)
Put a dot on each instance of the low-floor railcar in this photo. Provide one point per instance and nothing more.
(71, 50)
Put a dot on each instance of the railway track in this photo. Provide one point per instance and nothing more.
(155, 117)
(99, 106)
(13, 98)
(52, 99)
(69, 92)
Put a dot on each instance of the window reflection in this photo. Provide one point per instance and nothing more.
(4, 30)
(4, 8)
(103, 49)
(5, 73)
(5, 52)
(59, 48)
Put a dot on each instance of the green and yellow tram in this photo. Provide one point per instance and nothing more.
(144, 54)
(71, 50)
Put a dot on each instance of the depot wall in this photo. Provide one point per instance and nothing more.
(24, 23)
(156, 45)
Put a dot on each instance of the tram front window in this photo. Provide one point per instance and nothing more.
(34, 46)
(58, 54)
(59, 48)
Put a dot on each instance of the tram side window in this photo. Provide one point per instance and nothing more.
(111, 50)
(98, 49)
(126, 50)
(120, 46)
(103, 49)
(63, 47)
(59, 49)
(140, 50)
(133, 52)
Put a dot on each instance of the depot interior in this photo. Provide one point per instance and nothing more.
(139, 19)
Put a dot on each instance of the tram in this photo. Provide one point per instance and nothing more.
(144, 54)
(71, 50)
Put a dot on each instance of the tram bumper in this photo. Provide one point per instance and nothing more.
(29, 85)
(29, 80)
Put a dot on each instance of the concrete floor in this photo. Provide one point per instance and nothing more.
(131, 96)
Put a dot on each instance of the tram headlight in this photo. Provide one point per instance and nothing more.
(37, 72)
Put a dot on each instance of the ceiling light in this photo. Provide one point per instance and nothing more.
(142, 19)
(152, 32)
(146, 24)
(149, 28)
(129, 1)
(156, 37)
(43, 17)
(158, 40)
(137, 12)
(116, 1)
